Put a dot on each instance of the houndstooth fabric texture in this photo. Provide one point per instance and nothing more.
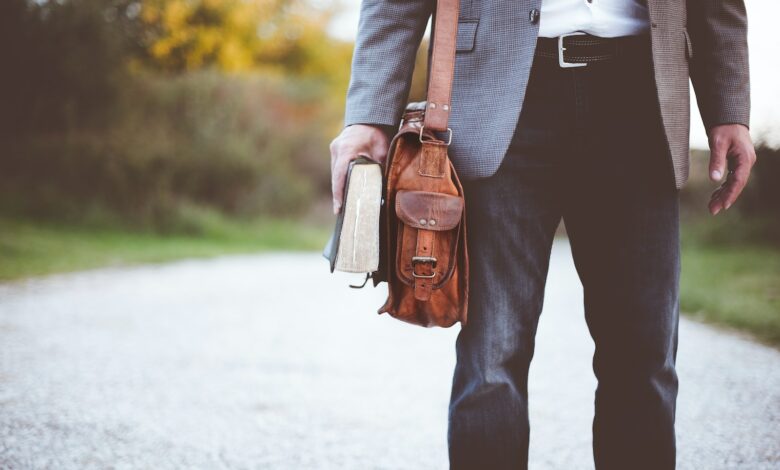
(703, 39)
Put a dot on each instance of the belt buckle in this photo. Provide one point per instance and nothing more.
(561, 61)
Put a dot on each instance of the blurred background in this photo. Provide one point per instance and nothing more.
(136, 132)
(146, 130)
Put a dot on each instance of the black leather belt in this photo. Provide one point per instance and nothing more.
(580, 49)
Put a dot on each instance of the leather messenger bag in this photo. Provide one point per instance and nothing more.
(423, 255)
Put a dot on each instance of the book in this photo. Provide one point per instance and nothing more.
(354, 244)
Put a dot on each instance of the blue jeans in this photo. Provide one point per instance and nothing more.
(588, 149)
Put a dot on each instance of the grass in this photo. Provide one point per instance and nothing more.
(736, 287)
(732, 285)
(33, 248)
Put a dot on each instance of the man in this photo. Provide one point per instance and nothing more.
(575, 110)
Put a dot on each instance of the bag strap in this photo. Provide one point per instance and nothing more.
(445, 34)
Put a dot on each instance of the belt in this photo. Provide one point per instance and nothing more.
(579, 49)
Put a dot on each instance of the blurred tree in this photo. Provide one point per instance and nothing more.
(124, 105)
(235, 35)
(61, 61)
(286, 39)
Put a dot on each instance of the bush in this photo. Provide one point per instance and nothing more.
(245, 145)
(62, 63)
(89, 131)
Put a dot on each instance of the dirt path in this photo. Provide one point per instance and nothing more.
(269, 361)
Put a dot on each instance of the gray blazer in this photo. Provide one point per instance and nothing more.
(703, 39)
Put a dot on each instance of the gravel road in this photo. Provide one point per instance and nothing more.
(271, 362)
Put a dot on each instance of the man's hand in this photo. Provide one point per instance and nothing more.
(732, 143)
(354, 140)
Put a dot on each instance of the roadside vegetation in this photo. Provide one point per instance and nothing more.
(731, 262)
(734, 287)
(149, 130)
(35, 248)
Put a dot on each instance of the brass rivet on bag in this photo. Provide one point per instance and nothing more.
(432, 222)
(423, 221)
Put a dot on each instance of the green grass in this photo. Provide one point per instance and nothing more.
(733, 286)
(32, 248)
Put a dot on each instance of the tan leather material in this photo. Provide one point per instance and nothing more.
(424, 249)
(425, 272)
(445, 34)
(428, 210)
(433, 161)
(408, 245)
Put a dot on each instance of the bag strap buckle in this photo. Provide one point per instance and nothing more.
(449, 137)
(424, 259)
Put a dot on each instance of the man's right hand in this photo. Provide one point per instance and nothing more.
(354, 140)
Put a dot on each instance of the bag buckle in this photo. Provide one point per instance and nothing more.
(424, 276)
(449, 139)
(424, 259)
(561, 61)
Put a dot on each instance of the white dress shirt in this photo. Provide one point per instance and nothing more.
(605, 18)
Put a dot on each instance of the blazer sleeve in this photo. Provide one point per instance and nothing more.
(389, 34)
(719, 61)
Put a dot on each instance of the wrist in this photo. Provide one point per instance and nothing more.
(729, 125)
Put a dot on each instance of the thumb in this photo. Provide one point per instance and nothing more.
(718, 152)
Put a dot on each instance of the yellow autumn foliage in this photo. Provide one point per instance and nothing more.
(276, 36)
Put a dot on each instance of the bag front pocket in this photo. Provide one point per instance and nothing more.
(428, 230)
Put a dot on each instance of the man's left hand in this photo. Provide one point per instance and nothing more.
(732, 143)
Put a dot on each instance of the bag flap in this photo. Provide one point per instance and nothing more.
(428, 210)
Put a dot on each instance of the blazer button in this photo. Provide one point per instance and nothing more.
(533, 16)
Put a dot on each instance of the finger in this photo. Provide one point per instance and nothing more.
(339, 175)
(337, 188)
(718, 151)
(716, 202)
(718, 192)
(740, 161)
(717, 199)
(334, 153)
(379, 149)
(338, 178)
(738, 180)
(715, 207)
(334, 186)
(377, 154)
(723, 197)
